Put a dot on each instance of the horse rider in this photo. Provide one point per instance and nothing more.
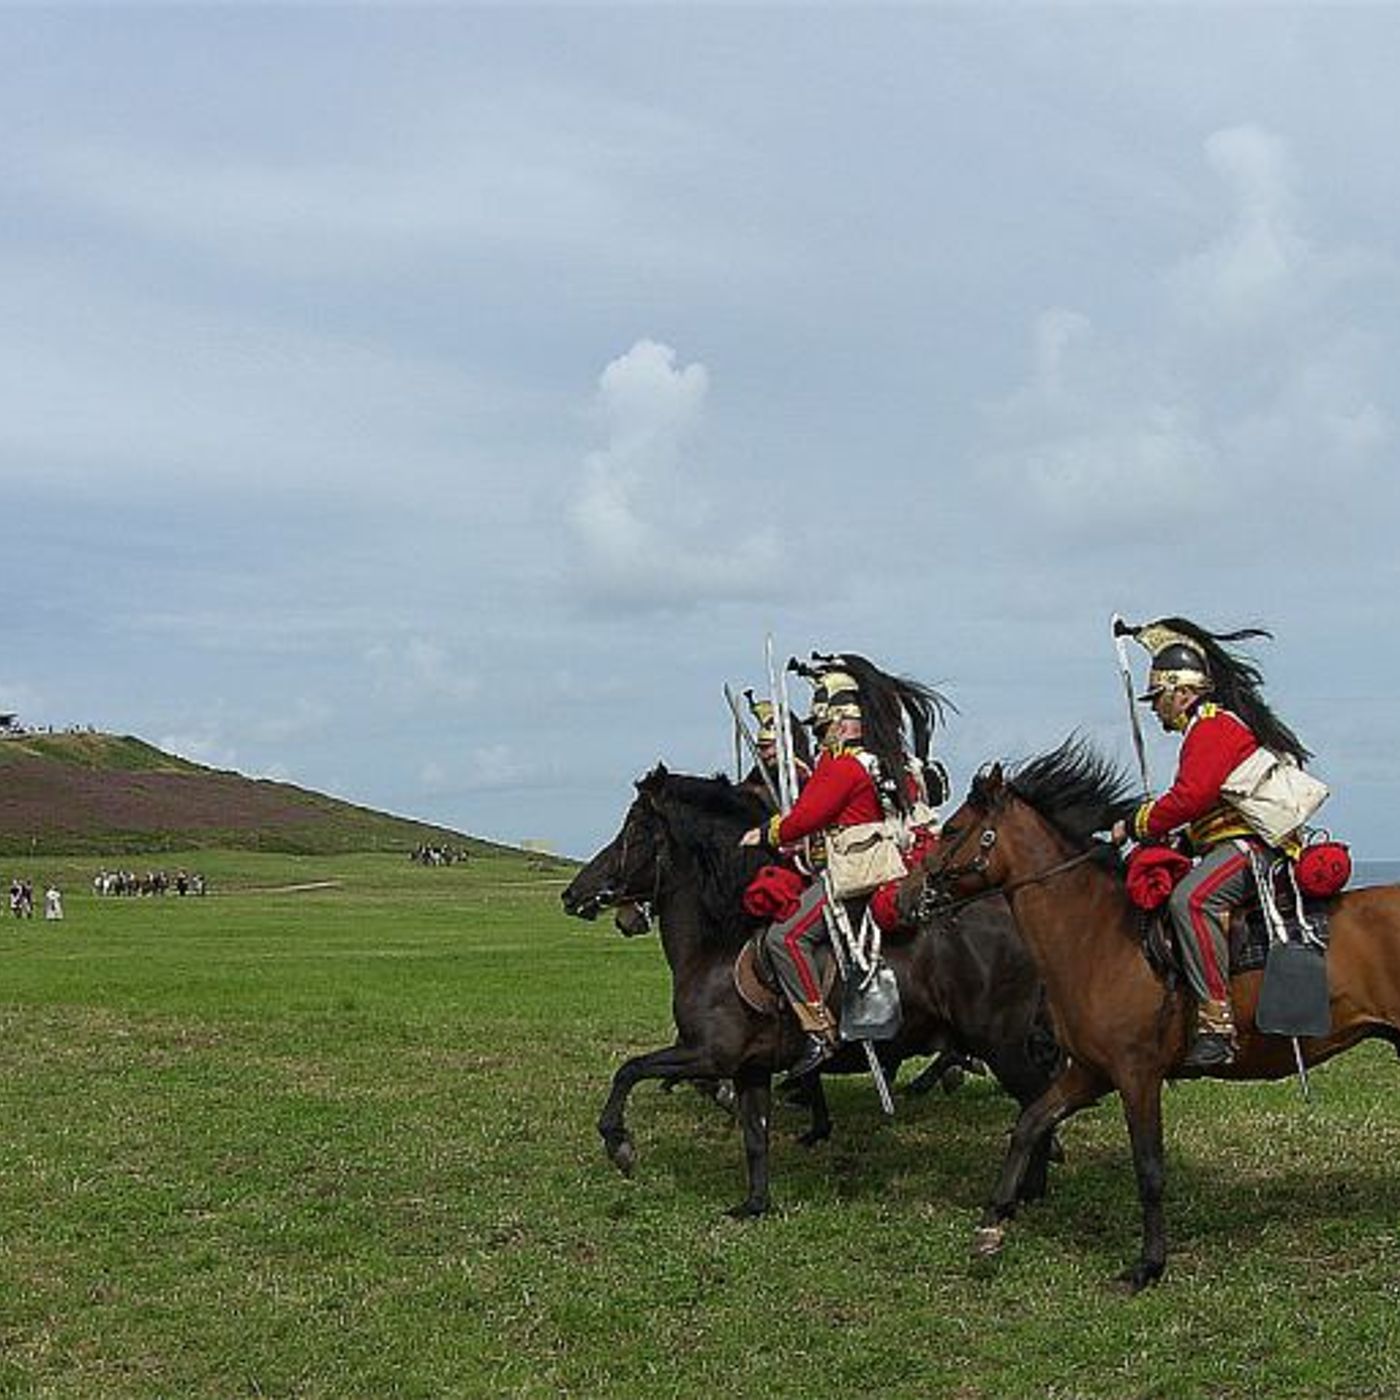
(1211, 697)
(765, 714)
(863, 770)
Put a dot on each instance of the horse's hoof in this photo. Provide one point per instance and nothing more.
(726, 1098)
(952, 1080)
(813, 1137)
(987, 1241)
(748, 1210)
(623, 1155)
(1141, 1275)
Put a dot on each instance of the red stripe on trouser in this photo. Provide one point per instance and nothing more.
(791, 941)
(1217, 985)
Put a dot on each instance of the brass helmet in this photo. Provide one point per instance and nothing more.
(765, 715)
(835, 695)
(1177, 663)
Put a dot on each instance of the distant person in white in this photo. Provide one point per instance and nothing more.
(53, 903)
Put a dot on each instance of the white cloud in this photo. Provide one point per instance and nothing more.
(420, 672)
(648, 531)
(1099, 435)
(1245, 379)
(1254, 268)
(303, 718)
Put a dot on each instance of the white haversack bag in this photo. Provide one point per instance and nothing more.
(1273, 794)
(863, 857)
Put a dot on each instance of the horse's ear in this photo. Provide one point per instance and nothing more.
(986, 784)
(653, 780)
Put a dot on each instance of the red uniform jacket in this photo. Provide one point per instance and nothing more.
(840, 792)
(1216, 742)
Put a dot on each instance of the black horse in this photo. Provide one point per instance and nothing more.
(966, 985)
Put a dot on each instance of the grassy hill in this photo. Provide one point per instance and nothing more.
(89, 792)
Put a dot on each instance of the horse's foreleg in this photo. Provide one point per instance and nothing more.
(755, 1088)
(671, 1063)
(819, 1130)
(1142, 1105)
(1073, 1089)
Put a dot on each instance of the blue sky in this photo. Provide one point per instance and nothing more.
(436, 406)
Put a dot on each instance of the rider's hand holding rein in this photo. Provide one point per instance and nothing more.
(752, 837)
(1118, 833)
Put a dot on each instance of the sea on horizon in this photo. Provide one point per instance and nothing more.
(1375, 872)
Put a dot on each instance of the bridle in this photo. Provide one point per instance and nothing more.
(936, 897)
(611, 896)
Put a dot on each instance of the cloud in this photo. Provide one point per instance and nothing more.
(648, 533)
(303, 718)
(1257, 267)
(1098, 435)
(1247, 378)
(418, 672)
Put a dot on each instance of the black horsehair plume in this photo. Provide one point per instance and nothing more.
(1238, 683)
(888, 703)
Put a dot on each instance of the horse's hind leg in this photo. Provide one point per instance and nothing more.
(755, 1102)
(671, 1063)
(946, 1070)
(1074, 1089)
(1025, 1080)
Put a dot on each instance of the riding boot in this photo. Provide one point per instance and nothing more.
(820, 1043)
(1214, 1046)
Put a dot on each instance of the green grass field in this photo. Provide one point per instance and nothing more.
(339, 1142)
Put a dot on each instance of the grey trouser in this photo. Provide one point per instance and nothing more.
(792, 947)
(1200, 910)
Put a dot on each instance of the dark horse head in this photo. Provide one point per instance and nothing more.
(678, 826)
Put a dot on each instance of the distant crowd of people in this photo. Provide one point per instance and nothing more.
(22, 900)
(437, 855)
(11, 728)
(153, 882)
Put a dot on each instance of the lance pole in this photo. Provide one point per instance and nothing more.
(787, 775)
(1121, 632)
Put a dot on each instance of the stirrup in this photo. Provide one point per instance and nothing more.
(1211, 1050)
(816, 1051)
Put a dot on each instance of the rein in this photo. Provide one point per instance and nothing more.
(933, 901)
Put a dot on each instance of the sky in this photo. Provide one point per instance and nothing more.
(436, 406)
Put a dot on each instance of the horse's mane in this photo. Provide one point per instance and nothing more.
(705, 817)
(1074, 787)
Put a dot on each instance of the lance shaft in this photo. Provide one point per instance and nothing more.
(1121, 632)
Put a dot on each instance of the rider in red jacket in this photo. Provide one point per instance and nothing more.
(861, 775)
(1188, 666)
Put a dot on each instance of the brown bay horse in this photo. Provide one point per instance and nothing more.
(1029, 835)
(965, 985)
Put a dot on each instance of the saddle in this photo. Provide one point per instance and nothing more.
(758, 987)
(1300, 921)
